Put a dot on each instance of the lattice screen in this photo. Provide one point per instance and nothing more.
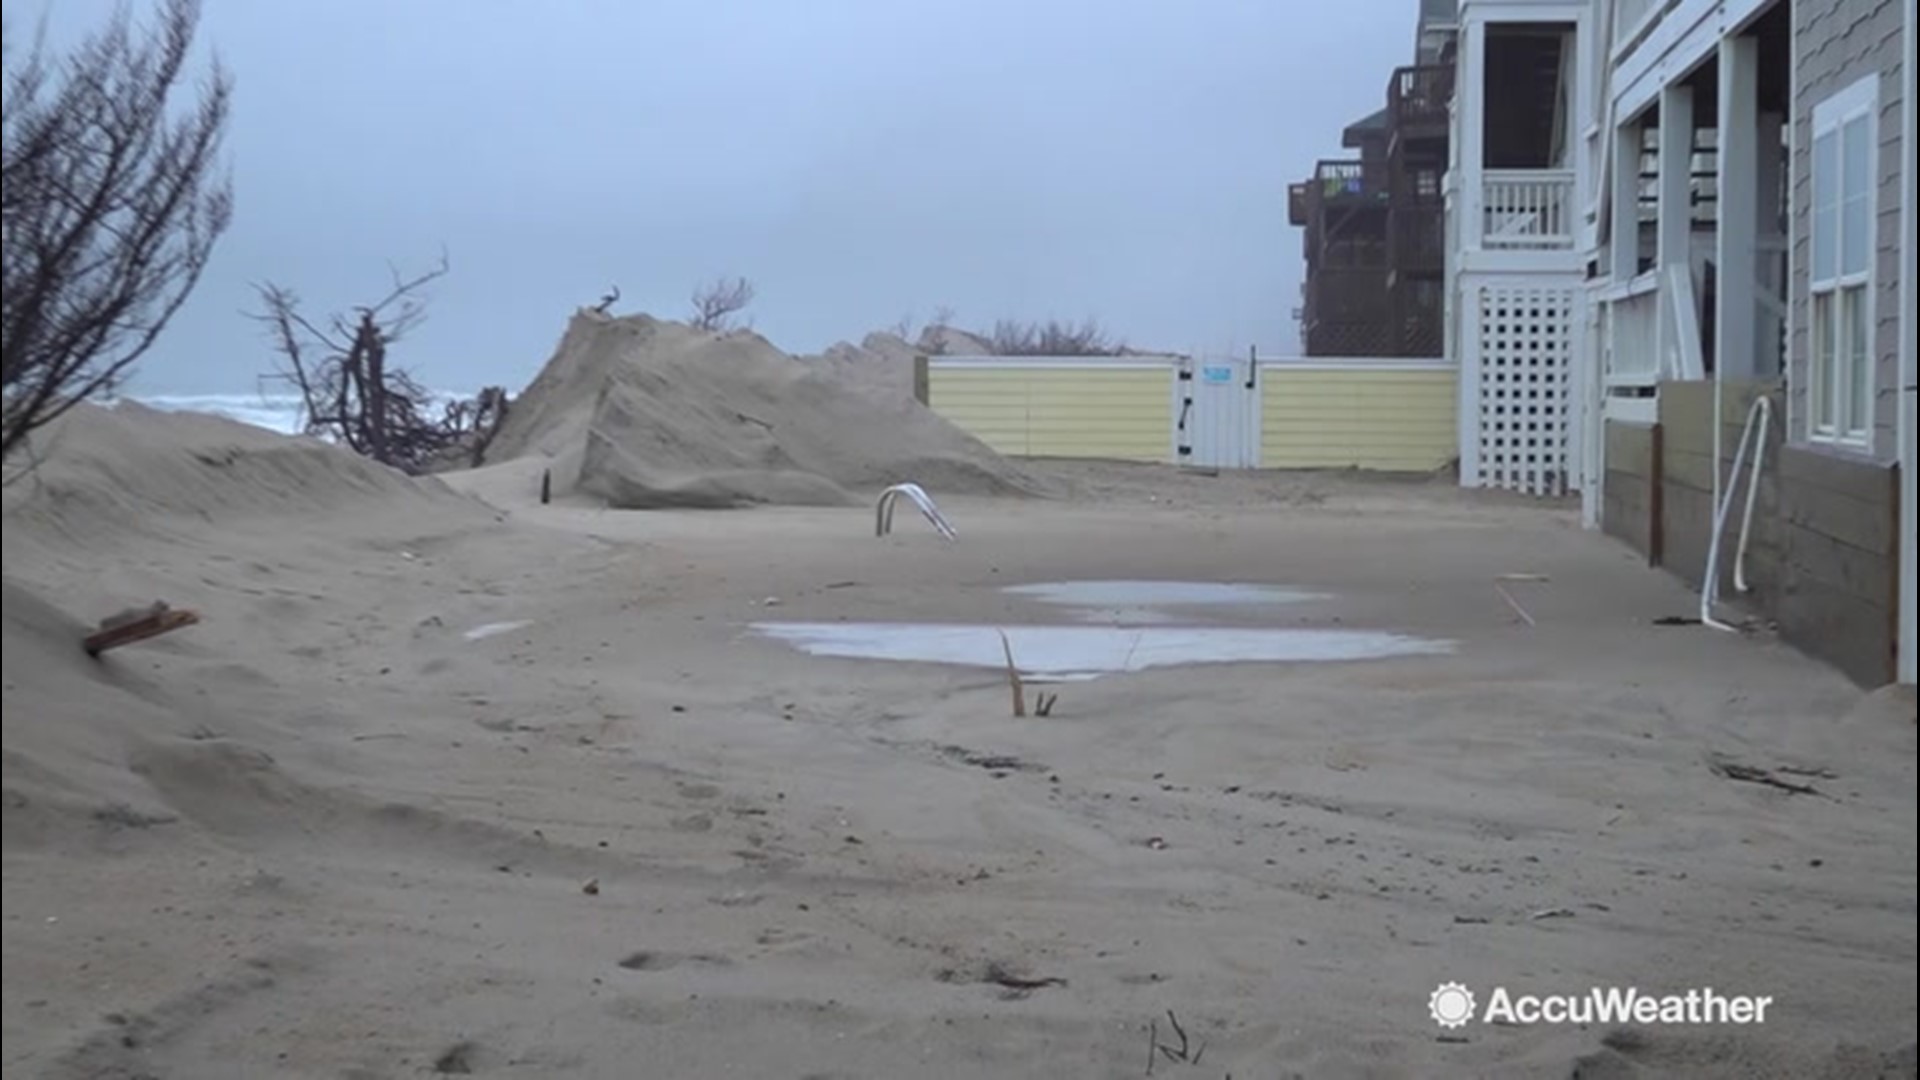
(1526, 353)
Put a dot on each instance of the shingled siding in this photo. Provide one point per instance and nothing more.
(1836, 43)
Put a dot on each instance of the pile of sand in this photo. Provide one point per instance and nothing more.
(881, 365)
(649, 414)
(130, 505)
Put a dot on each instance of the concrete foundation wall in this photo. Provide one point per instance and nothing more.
(1687, 471)
(1840, 568)
(1629, 509)
(1823, 554)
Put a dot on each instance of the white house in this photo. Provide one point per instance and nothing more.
(1661, 212)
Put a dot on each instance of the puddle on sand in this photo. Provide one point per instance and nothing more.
(1064, 653)
(1136, 602)
(1147, 594)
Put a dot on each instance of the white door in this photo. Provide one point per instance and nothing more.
(1217, 414)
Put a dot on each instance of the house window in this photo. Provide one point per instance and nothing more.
(1840, 377)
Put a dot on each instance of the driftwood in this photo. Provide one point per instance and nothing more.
(1013, 678)
(1752, 774)
(137, 624)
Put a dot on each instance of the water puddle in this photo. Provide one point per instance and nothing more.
(1138, 602)
(1160, 593)
(1068, 653)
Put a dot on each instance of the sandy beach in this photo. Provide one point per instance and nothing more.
(451, 782)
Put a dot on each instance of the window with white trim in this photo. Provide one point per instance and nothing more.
(1840, 313)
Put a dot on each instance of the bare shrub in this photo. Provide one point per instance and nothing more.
(111, 200)
(715, 304)
(1012, 337)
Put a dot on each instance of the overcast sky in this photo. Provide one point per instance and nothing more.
(858, 160)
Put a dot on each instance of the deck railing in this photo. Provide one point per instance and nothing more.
(1528, 209)
(1421, 94)
(1633, 337)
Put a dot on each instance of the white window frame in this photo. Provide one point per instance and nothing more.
(1831, 382)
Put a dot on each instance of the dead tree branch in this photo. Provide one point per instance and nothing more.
(716, 303)
(111, 200)
(349, 391)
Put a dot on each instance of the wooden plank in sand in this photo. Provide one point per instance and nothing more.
(125, 630)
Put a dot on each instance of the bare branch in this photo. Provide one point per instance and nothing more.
(349, 392)
(111, 201)
(1011, 337)
(715, 304)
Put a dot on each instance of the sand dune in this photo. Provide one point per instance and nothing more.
(645, 414)
(332, 832)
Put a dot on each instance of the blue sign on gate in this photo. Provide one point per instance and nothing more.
(1215, 373)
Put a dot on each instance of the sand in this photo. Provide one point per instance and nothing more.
(450, 782)
(645, 414)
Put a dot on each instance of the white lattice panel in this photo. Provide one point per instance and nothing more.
(1525, 343)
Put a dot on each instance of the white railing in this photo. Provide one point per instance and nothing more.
(1528, 209)
(1633, 338)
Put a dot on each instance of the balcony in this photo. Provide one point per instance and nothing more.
(1349, 184)
(1527, 210)
(1420, 99)
(1297, 204)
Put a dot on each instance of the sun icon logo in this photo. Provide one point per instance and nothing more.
(1451, 1005)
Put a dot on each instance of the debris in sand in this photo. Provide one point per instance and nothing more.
(1043, 705)
(1185, 1053)
(1676, 620)
(1514, 604)
(1013, 678)
(1753, 774)
(137, 624)
(455, 1060)
(592, 887)
(991, 762)
(1005, 976)
(1523, 577)
(1553, 913)
(487, 630)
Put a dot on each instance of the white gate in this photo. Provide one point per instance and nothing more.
(1516, 387)
(1218, 422)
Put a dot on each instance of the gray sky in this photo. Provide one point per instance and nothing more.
(859, 160)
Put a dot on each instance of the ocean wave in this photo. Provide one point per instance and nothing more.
(283, 413)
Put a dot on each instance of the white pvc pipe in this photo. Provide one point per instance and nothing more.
(1761, 410)
(883, 510)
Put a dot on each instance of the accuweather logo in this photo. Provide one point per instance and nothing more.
(1452, 1006)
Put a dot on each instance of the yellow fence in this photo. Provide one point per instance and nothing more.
(1121, 410)
(1388, 415)
(1377, 415)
